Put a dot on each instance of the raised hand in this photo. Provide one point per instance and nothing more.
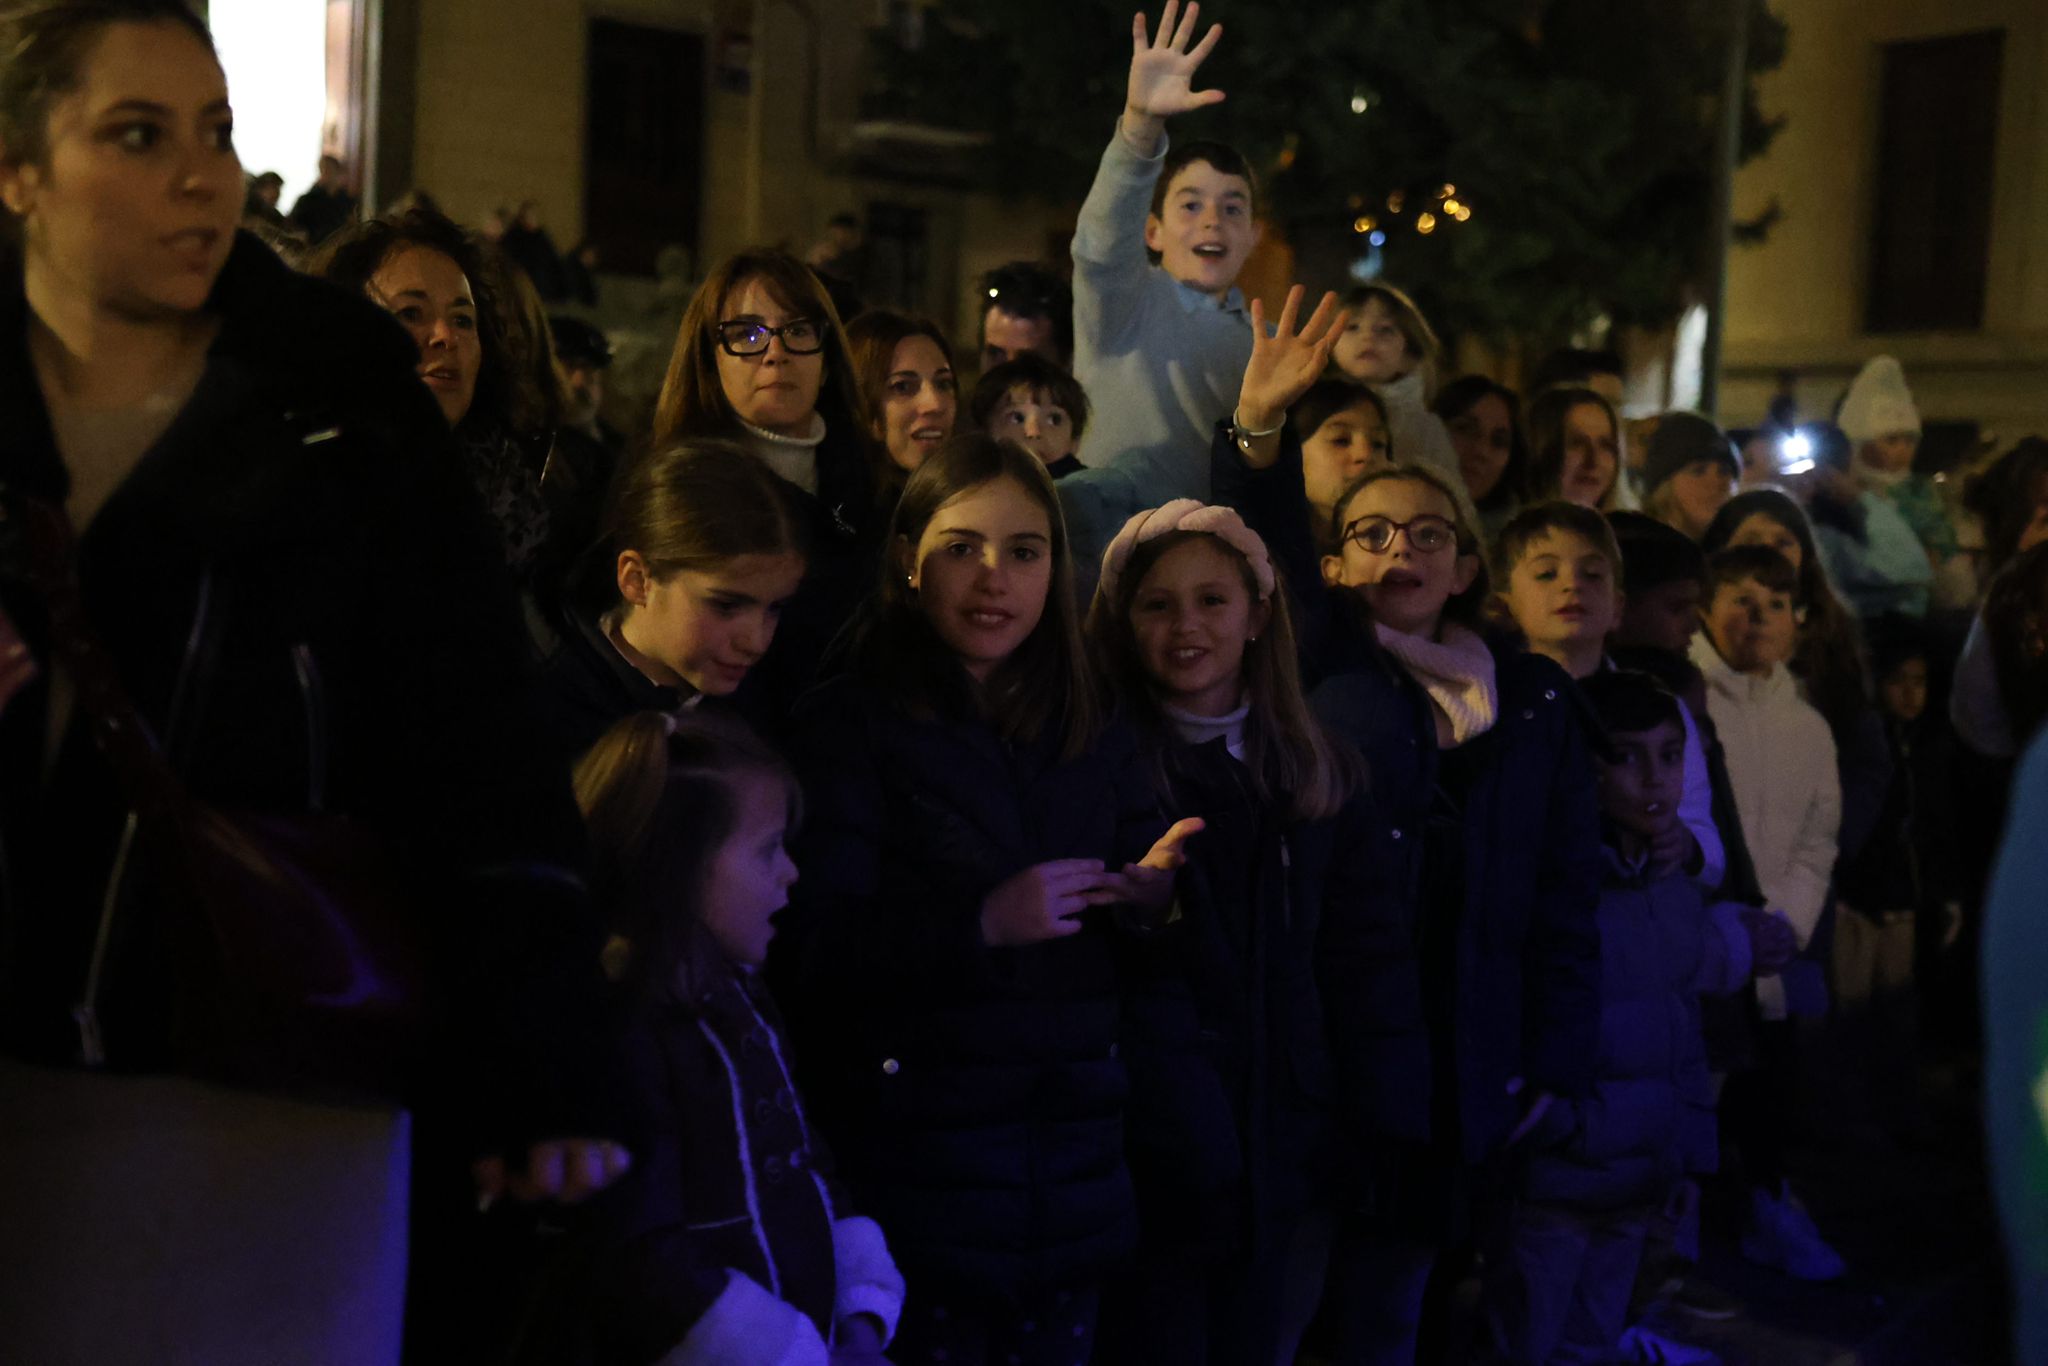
(1285, 364)
(1163, 73)
(1045, 901)
(1148, 883)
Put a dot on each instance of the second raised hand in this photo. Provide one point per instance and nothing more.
(1285, 364)
(1163, 72)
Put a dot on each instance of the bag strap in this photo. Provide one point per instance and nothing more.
(38, 537)
(39, 548)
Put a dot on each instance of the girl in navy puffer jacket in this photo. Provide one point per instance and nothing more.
(1232, 1123)
(977, 842)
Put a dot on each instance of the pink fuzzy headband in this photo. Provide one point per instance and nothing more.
(1185, 514)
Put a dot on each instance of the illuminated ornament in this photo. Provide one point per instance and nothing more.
(1359, 102)
(1447, 191)
(1425, 224)
(1378, 238)
(1464, 214)
(1395, 201)
(1361, 225)
(1451, 207)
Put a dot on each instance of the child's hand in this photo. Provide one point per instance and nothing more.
(1166, 854)
(1162, 75)
(565, 1170)
(1045, 901)
(1675, 850)
(1284, 365)
(859, 1339)
(1772, 941)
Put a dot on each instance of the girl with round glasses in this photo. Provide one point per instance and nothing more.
(762, 360)
(1487, 826)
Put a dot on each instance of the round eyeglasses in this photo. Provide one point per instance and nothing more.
(1427, 534)
(800, 337)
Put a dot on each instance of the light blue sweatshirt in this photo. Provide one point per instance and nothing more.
(1161, 362)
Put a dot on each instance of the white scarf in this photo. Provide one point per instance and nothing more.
(1456, 672)
(1199, 730)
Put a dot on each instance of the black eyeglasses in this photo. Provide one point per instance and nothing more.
(1427, 534)
(800, 337)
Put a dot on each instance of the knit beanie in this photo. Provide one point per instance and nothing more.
(1653, 554)
(1680, 439)
(1878, 403)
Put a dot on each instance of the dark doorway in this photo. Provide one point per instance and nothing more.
(643, 146)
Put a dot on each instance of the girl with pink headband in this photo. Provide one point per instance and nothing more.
(1230, 1124)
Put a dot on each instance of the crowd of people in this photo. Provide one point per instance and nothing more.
(1162, 861)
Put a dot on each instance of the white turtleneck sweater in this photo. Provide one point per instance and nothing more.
(795, 458)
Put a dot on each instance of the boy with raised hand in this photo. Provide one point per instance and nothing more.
(1163, 347)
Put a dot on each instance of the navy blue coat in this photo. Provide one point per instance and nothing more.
(1518, 993)
(1233, 1129)
(975, 1095)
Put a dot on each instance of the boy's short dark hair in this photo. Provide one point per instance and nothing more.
(1654, 554)
(1736, 563)
(1674, 671)
(1574, 365)
(1326, 398)
(1220, 155)
(1629, 703)
(1036, 374)
(1538, 520)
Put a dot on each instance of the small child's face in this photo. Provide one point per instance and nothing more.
(1030, 418)
(1350, 442)
(1562, 591)
(1205, 229)
(1903, 691)
(1752, 625)
(1406, 584)
(751, 874)
(1372, 349)
(1665, 616)
(1641, 788)
(1191, 618)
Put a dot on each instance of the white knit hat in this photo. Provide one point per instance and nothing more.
(1878, 403)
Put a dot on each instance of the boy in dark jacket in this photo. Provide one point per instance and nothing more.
(1558, 1283)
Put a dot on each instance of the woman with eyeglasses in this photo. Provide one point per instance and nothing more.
(761, 359)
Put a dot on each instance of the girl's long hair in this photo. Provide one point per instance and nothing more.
(1292, 759)
(1829, 658)
(1044, 688)
(660, 797)
(694, 506)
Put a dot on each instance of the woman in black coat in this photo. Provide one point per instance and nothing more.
(295, 587)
